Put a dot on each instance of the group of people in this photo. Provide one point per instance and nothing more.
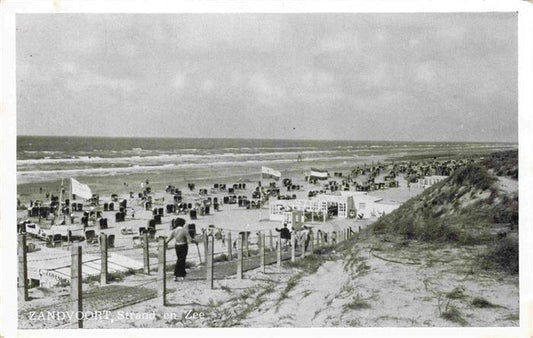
(301, 236)
(182, 237)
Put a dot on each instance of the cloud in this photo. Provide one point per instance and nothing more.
(178, 82)
(366, 70)
(84, 80)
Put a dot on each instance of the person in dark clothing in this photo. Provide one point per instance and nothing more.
(182, 239)
(285, 234)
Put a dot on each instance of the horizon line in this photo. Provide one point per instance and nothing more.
(261, 139)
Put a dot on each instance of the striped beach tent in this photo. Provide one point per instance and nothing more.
(319, 173)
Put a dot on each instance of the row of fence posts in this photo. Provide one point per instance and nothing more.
(242, 251)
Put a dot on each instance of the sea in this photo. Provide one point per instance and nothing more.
(47, 158)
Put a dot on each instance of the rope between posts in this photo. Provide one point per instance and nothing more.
(98, 293)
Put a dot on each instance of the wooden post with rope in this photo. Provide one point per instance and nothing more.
(240, 256)
(162, 270)
(209, 260)
(229, 243)
(146, 253)
(279, 253)
(76, 285)
(23, 267)
(293, 248)
(103, 258)
(262, 242)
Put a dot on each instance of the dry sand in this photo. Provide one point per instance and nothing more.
(361, 288)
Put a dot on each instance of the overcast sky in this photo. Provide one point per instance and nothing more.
(439, 77)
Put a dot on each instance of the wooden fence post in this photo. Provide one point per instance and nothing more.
(262, 241)
(209, 260)
(246, 240)
(293, 248)
(240, 262)
(205, 246)
(302, 246)
(271, 241)
(162, 270)
(76, 284)
(23, 267)
(279, 253)
(146, 253)
(103, 259)
(229, 243)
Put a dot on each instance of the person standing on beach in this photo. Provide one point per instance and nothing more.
(304, 237)
(182, 239)
(285, 235)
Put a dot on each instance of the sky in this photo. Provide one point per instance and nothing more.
(404, 77)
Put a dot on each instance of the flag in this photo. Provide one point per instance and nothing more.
(269, 172)
(81, 190)
(319, 173)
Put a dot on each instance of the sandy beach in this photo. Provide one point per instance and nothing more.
(390, 294)
(360, 282)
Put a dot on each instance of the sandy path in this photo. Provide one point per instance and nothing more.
(304, 302)
(507, 184)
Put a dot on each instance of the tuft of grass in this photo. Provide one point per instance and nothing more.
(482, 303)
(363, 267)
(357, 303)
(503, 254)
(454, 315)
(512, 317)
(226, 288)
(307, 293)
(220, 258)
(347, 288)
(353, 323)
(112, 277)
(309, 264)
(291, 284)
